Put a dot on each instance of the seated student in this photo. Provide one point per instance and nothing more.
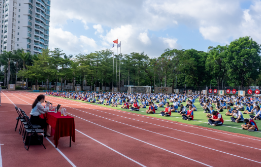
(182, 109)
(167, 111)
(120, 101)
(257, 113)
(151, 109)
(216, 119)
(100, 101)
(249, 125)
(189, 114)
(176, 105)
(135, 106)
(210, 112)
(93, 100)
(125, 105)
(237, 116)
(229, 111)
(239, 106)
(249, 109)
(207, 107)
(143, 104)
(114, 103)
(107, 102)
(155, 106)
(161, 104)
(223, 104)
(172, 109)
(219, 107)
(194, 108)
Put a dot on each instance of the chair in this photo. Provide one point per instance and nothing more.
(19, 118)
(24, 124)
(31, 131)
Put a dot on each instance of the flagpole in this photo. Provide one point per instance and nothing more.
(112, 73)
(120, 69)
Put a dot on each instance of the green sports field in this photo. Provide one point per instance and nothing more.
(200, 119)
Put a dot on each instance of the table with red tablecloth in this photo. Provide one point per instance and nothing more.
(62, 125)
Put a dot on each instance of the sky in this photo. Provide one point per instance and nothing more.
(151, 26)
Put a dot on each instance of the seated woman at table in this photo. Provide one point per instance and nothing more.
(37, 110)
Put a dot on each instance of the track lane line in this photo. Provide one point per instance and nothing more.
(91, 139)
(142, 141)
(67, 159)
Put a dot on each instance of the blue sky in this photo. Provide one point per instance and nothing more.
(151, 26)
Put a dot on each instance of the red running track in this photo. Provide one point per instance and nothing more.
(140, 139)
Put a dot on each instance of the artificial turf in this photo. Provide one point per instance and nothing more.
(200, 118)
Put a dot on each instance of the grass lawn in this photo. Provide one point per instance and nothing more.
(200, 119)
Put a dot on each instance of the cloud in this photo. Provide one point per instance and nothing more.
(143, 37)
(133, 22)
(71, 44)
(172, 43)
(98, 28)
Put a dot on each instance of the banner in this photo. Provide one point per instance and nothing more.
(228, 91)
(249, 91)
(215, 91)
(257, 91)
(210, 91)
(234, 91)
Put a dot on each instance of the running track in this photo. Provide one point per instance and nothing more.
(107, 137)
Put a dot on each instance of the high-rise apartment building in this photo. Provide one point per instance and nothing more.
(25, 25)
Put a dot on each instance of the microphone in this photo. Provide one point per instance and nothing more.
(47, 102)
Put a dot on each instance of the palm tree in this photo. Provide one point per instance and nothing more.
(7, 57)
(24, 56)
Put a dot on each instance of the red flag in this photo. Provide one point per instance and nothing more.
(228, 90)
(210, 90)
(257, 91)
(234, 91)
(215, 90)
(115, 41)
(249, 91)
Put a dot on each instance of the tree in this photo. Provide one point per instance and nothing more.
(242, 61)
(215, 63)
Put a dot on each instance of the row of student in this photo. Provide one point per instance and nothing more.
(214, 117)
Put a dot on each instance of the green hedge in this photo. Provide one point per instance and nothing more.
(3, 87)
(19, 88)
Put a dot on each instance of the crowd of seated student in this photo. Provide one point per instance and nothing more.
(212, 105)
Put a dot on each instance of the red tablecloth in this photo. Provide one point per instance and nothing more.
(63, 125)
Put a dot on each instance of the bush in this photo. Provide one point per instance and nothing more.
(3, 87)
(41, 88)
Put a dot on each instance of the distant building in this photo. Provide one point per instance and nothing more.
(25, 25)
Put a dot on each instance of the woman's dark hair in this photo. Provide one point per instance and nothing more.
(40, 97)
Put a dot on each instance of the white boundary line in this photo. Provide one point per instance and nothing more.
(1, 163)
(50, 142)
(93, 140)
(111, 148)
(168, 128)
(144, 142)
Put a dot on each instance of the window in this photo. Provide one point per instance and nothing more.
(18, 22)
(18, 16)
(19, 4)
(18, 33)
(17, 39)
(18, 27)
(17, 44)
(19, 10)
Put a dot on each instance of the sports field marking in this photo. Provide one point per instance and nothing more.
(206, 129)
(68, 160)
(144, 142)
(110, 148)
(184, 132)
(174, 123)
(172, 138)
(1, 163)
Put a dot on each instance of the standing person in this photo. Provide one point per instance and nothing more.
(216, 119)
(37, 110)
